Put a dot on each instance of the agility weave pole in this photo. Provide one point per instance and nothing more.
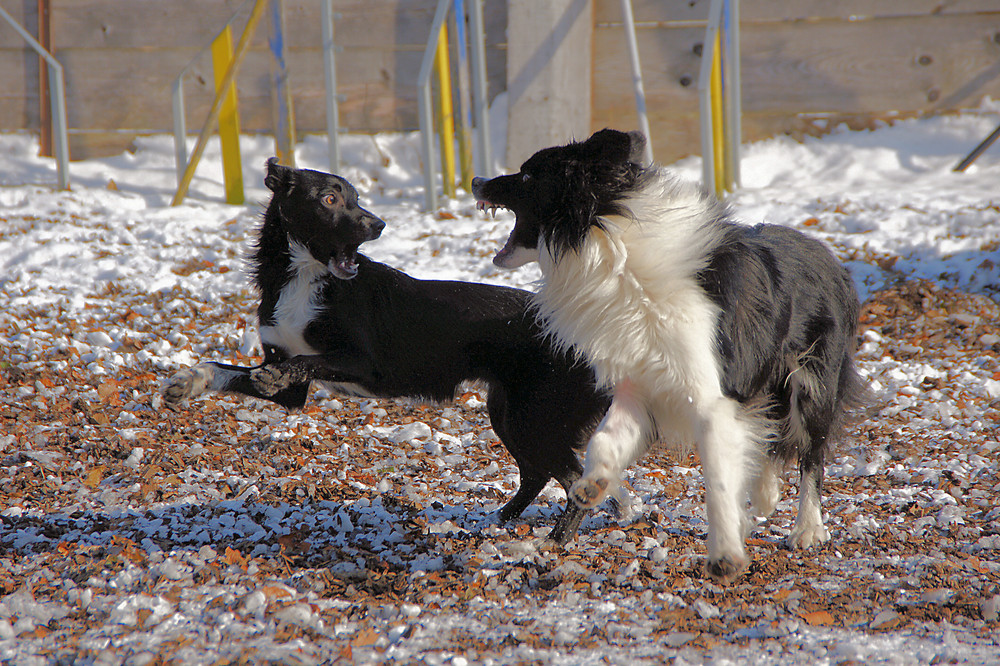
(445, 113)
(330, 77)
(57, 100)
(464, 98)
(229, 118)
(977, 151)
(638, 89)
(284, 115)
(719, 98)
(213, 115)
(433, 62)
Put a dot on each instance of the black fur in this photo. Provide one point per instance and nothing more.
(588, 182)
(781, 295)
(390, 335)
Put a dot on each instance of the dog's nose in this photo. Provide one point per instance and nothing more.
(375, 227)
(477, 182)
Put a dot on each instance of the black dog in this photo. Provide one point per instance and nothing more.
(329, 314)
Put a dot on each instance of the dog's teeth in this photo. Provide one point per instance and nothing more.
(493, 210)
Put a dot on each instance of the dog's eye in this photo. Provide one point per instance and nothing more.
(330, 200)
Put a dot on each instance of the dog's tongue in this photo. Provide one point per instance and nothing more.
(343, 266)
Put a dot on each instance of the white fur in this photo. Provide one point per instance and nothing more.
(297, 305)
(809, 529)
(629, 303)
(517, 258)
(192, 382)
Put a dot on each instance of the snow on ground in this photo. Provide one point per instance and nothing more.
(363, 530)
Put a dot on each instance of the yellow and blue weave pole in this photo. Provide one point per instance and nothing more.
(435, 61)
(445, 113)
(213, 114)
(464, 97)
(719, 98)
(229, 117)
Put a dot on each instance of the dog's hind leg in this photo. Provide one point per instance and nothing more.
(765, 487)
(624, 434)
(811, 414)
(568, 523)
(809, 529)
(525, 495)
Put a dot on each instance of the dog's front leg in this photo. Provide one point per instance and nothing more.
(223, 378)
(624, 434)
(191, 382)
(271, 378)
(725, 449)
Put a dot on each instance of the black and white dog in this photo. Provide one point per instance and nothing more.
(738, 339)
(329, 314)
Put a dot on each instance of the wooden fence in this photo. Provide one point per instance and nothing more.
(121, 57)
(807, 64)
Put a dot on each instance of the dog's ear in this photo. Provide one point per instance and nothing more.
(638, 150)
(279, 177)
(612, 145)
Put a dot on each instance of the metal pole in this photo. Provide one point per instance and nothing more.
(58, 103)
(180, 129)
(480, 103)
(213, 114)
(424, 104)
(640, 93)
(330, 71)
(284, 112)
(705, 96)
(732, 94)
(60, 131)
(464, 96)
(44, 87)
(977, 151)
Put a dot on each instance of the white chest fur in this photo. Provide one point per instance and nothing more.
(298, 305)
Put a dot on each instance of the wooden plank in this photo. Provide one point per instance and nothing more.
(380, 85)
(121, 53)
(102, 24)
(904, 64)
(547, 74)
(680, 11)
(840, 70)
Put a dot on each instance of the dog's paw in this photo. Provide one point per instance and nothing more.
(806, 536)
(186, 384)
(268, 380)
(588, 492)
(546, 544)
(726, 569)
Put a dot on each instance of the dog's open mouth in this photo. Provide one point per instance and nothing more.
(344, 263)
(489, 207)
(501, 257)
